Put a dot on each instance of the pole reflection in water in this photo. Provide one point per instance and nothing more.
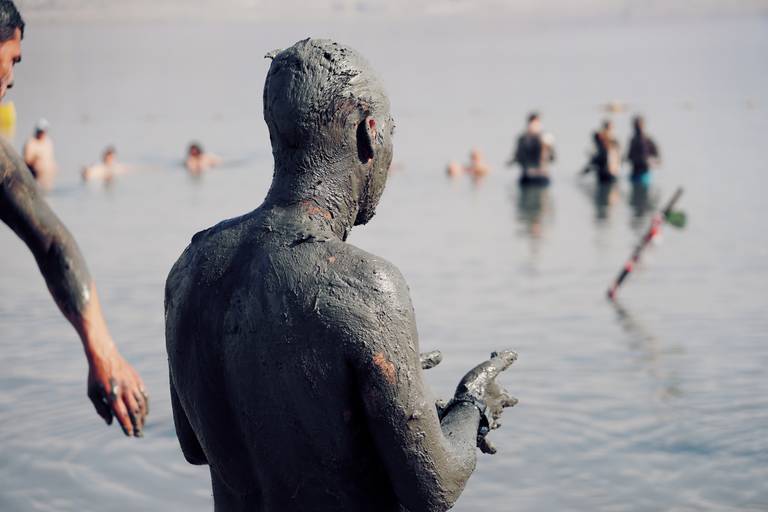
(651, 351)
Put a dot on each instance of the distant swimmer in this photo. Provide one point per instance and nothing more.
(114, 387)
(478, 167)
(107, 169)
(454, 169)
(606, 160)
(643, 154)
(199, 161)
(534, 152)
(38, 155)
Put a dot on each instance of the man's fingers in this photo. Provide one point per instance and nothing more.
(503, 359)
(121, 413)
(487, 447)
(145, 396)
(430, 359)
(142, 403)
(135, 413)
(99, 400)
(477, 379)
(509, 401)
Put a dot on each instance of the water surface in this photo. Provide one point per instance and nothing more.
(656, 403)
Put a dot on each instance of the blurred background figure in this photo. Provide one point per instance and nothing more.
(606, 160)
(105, 170)
(533, 153)
(454, 169)
(38, 155)
(643, 154)
(478, 167)
(198, 161)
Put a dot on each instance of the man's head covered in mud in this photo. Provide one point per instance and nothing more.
(331, 131)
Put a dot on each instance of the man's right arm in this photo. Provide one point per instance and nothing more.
(114, 387)
(428, 461)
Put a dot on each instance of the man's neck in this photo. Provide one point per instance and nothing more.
(323, 193)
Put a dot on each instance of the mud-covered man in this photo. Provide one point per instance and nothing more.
(294, 359)
(114, 387)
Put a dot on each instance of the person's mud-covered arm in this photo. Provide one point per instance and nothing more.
(428, 460)
(114, 387)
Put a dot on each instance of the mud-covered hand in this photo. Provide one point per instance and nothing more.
(430, 359)
(116, 390)
(480, 388)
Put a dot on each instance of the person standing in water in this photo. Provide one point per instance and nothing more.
(114, 387)
(606, 160)
(38, 155)
(534, 152)
(643, 154)
(294, 358)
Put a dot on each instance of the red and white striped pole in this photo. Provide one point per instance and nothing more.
(653, 231)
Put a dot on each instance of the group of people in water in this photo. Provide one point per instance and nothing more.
(294, 364)
(535, 152)
(39, 156)
(295, 371)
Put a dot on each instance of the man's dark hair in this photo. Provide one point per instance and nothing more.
(533, 116)
(10, 20)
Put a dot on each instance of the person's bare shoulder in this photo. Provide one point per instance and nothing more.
(364, 295)
(205, 259)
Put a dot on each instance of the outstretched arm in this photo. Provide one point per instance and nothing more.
(114, 387)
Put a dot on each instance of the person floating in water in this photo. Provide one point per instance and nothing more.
(454, 169)
(198, 161)
(114, 387)
(643, 154)
(107, 169)
(294, 357)
(38, 155)
(534, 152)
(606, 160)
(478, 167)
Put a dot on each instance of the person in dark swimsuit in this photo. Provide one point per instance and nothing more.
(533, 152)
(643, 154)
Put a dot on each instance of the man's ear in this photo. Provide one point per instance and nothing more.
(366, 134)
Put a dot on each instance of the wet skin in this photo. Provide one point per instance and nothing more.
(294, 356)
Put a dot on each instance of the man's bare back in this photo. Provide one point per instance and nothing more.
(294, 358)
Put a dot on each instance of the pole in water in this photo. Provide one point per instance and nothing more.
(653, 232)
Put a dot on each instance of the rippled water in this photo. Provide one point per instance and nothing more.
(658, 403)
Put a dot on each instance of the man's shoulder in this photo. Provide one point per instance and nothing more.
(208, 249)
(361, 286)
(365, 267)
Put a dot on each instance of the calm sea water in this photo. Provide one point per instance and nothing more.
(657, 403)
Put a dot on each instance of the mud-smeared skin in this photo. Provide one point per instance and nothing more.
(23, 208)
(294, 358)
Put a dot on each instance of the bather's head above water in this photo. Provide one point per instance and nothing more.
(330, 129)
